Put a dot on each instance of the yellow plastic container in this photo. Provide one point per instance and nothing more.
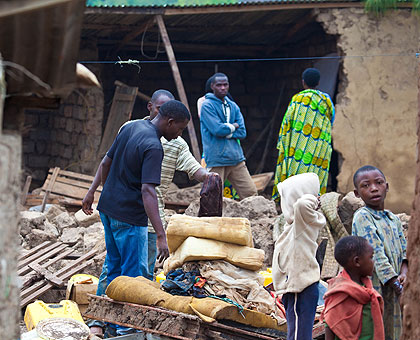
(160, 277)
(39, 310)
(267, 275)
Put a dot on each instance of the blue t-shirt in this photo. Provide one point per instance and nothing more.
(136, 159)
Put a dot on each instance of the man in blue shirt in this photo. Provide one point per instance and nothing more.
(222, 126)
(130, 171)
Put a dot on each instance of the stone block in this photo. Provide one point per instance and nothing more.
(79, 112)
(68, 152)
(69, 125)
(85, 220)
(74, 138)
(66, 138)
(38, 161)
(64, 221)
(28, 146)
(77, 126)
(50, 229)
(63, 122)
(40, 134)
(40, 146)
(94, 236)
(30, 220)
(71, 236)
(54, 211)
(68, 111)
(31, 119)
(44, 119)
(37, 237)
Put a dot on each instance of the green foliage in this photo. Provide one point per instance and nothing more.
(379, 7)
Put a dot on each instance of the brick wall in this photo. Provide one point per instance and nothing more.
(68, 137)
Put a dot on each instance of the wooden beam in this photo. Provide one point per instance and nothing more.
(134, 34)
(179, 84)
(141, 95)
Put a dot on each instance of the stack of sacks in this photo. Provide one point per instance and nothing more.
(211, 238)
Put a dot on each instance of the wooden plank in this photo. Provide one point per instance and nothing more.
(32, 251)
(76, 175)
(47, 286)
(71, 191)
(63, 274)
(53, 252)
(50, 277)
(119, 113)
(261, 180)
(179, 84)
(74, 182)
(50, 186)
(38, 254)
(25, 190)
(141, 95)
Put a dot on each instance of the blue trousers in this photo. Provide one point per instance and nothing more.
(152, 252)
(126, 247)
(300, 312)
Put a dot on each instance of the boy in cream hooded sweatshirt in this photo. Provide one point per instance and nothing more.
(296, 272)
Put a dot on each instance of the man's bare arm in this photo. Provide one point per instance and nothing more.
(100, 178)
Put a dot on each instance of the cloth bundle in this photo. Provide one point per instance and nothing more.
(142, 291)
(211, 197)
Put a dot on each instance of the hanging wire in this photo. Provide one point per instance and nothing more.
(142, 45)
(130, 61)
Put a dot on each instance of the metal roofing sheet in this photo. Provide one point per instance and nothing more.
(185, 3)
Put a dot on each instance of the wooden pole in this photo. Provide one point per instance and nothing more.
(178, 82)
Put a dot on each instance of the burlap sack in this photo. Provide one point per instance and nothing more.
(236, 230)
(197, 249)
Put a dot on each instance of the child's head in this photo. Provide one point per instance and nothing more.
(371, 186)
(294, 188)
(355, 254)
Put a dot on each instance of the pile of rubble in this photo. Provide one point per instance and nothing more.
(84, 233)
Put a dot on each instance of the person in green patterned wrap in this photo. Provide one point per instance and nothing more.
(304, 141)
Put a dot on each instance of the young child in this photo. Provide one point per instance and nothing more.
(353, 309)
(382, 229)
(295, 270)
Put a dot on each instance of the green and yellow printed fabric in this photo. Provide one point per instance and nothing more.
(304, 142)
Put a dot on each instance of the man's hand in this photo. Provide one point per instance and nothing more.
(87, 203)
(162, 248)
(236, 125)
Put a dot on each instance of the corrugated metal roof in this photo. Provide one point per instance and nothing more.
(184, 3)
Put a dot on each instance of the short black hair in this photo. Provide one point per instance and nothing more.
(311, 77)
(365, 168)
(160, 93)
(349, 247)
(176, 110)
(209, 81)
(218, 75)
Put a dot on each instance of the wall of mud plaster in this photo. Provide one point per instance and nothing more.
(10, 165)
(376, 105)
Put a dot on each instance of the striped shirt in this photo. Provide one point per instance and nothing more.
(177, 156)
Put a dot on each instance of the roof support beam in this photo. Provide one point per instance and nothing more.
(134, 34)
(179, 85)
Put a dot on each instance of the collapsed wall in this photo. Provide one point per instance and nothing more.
(376, 105)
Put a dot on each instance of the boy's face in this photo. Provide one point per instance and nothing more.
(173, 129)
(372, 189)
(366, 261)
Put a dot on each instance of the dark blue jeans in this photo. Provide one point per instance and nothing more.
(126, 248)
(300, 312)
(151, 259)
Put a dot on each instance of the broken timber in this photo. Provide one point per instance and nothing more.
(164, 322)
(33, 268)
(179, 84)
